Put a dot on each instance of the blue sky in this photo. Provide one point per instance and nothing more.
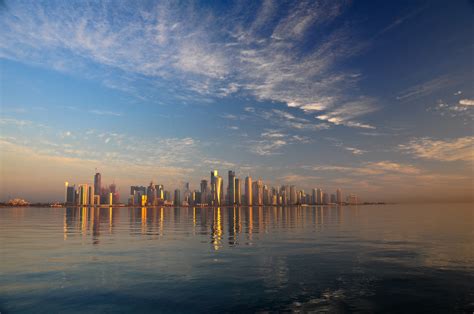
(375, 98)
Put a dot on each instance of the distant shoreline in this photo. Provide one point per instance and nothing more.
(190, 206)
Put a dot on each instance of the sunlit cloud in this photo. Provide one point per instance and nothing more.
(459, 149)
(467, 102)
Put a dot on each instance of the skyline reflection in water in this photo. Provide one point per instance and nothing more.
(367, 258)
(153, 221)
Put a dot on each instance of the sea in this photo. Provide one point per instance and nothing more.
(400, 258)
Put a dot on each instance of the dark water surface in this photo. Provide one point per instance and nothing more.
(391, 258)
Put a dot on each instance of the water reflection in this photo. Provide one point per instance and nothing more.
(242, 223)
(331, 259)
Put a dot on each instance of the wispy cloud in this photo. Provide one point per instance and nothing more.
(370, 168)
(426, 88)
(194, 49)
(105, 113)
(345, 114)
(281, 118)
(458, 149)
(271, 141)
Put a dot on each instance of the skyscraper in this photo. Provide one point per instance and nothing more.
(339, 196)
(177, 197)
(219, 193)
(293, 196)
(319, 196)
(151, 194)
(70, 194)
(90, 195)
(83, 194)
(216, 188)
(314, 197)
(248, 190)
(160, 191)
(238, 196)
(258, 192)
(204, 192)
(97, 183)
(231, 188)
(352, 199)
(266, 195)
(325, 198)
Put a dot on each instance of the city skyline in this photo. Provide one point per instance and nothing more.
(374, 98)
(207, 193)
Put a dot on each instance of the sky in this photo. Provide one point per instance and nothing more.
(375, 98)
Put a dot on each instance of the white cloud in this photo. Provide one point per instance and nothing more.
(344, 114)
(467, 102)
(371, 169)
(426, 88)
(194, 49)
(105, 113)
(459, 149)
(271, 141)
(356, 151)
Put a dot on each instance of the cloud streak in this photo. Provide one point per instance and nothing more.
(178, 47)
(458, 149)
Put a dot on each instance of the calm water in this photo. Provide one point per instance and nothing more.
(392, 258)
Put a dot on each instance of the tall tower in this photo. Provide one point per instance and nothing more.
(204, 192)
(84, 194)
(339, 196)
(238, 197)
(231, 188)
(293, 195)
(97, 183)
(248, 191)
(218, 192)
(177, 197)
(66, 185)
(90, 195)
(319, 196)
(314, 197)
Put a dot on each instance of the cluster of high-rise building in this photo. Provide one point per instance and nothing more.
(91, 195)
(255, 193)
(210, 193)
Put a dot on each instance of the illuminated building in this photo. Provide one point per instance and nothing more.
(66, 185)
(248, 190)
(83, 194)
(216, 189)
(111, 198)
(143, 202)
(314, 199)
